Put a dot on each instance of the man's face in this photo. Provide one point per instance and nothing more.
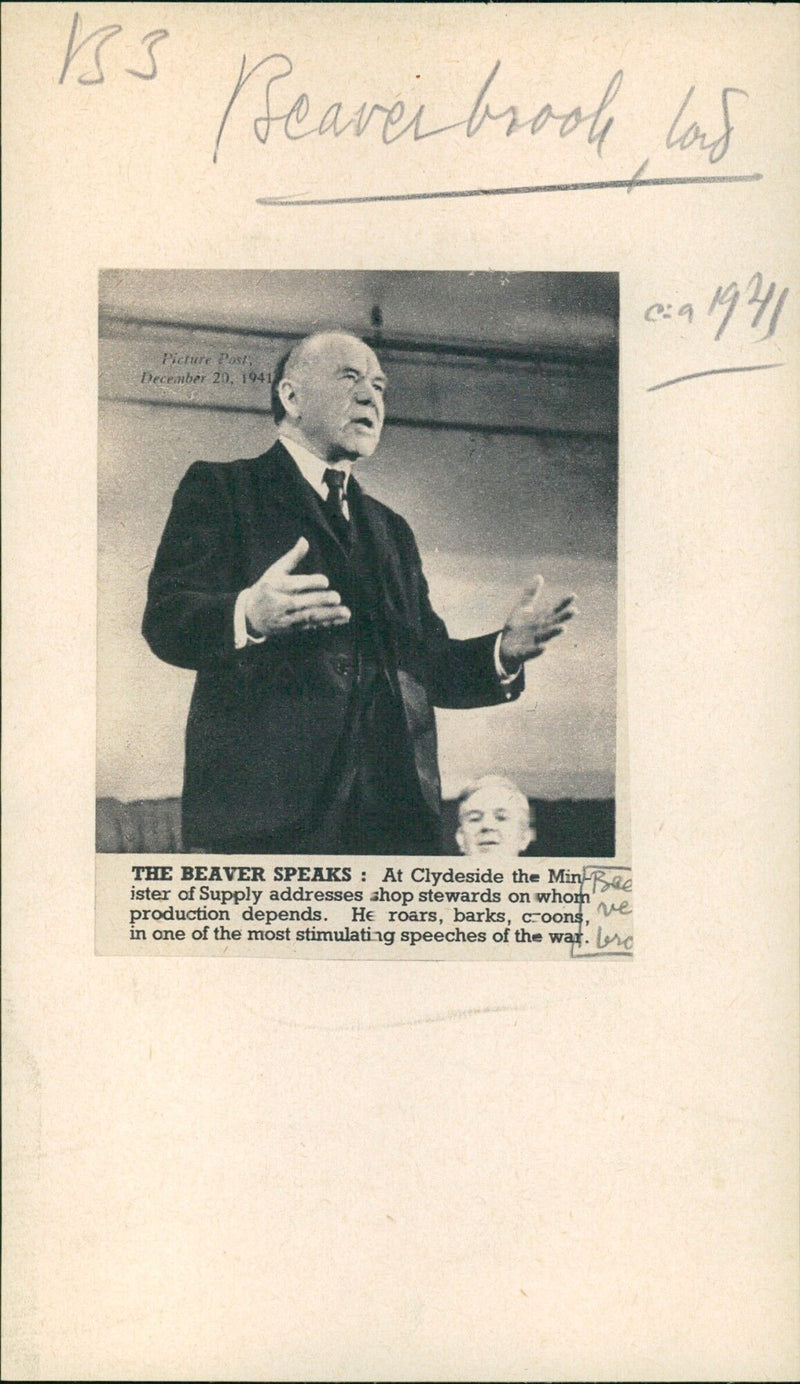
(337, 398)
(493, 821)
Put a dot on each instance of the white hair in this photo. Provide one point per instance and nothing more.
(506, 785)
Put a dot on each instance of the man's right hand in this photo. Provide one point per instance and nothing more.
(282, 601)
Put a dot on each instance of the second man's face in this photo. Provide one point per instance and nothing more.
(492, 822)
(339, 392)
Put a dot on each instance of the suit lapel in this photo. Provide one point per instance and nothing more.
(284, 487)
(385, 560)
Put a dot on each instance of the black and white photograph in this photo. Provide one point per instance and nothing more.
(358, 562)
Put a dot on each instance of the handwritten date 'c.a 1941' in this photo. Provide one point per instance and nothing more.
(724, 304)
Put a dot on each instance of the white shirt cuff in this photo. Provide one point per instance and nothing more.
(241, 637)
(502, 672)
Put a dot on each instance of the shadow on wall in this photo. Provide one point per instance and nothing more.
(567, 827)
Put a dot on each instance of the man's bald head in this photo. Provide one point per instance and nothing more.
(295, 359)
(328, 393)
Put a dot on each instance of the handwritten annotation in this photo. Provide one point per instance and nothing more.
(84, 57)
(607, 914)
(721, 309)
(281, 110)
(297, 119)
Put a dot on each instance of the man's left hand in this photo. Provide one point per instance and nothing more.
(529, 628)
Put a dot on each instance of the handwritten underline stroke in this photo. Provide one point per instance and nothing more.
(719, 370)
(616, 183)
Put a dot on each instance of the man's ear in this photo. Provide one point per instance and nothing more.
(287, 394)
(460, 840)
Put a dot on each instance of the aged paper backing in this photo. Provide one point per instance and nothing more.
(228, 1168)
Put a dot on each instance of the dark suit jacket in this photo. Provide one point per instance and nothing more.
(264, 720)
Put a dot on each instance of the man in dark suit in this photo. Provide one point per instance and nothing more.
(302, 604)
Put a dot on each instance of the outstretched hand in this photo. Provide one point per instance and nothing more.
(283, 600)
(529, 628)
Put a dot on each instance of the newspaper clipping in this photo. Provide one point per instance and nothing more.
(469, 782)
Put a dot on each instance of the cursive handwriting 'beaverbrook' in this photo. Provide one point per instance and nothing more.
(294, 116)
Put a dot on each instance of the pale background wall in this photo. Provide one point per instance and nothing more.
(500, 450)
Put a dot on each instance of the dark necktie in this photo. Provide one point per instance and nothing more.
(334, 504)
